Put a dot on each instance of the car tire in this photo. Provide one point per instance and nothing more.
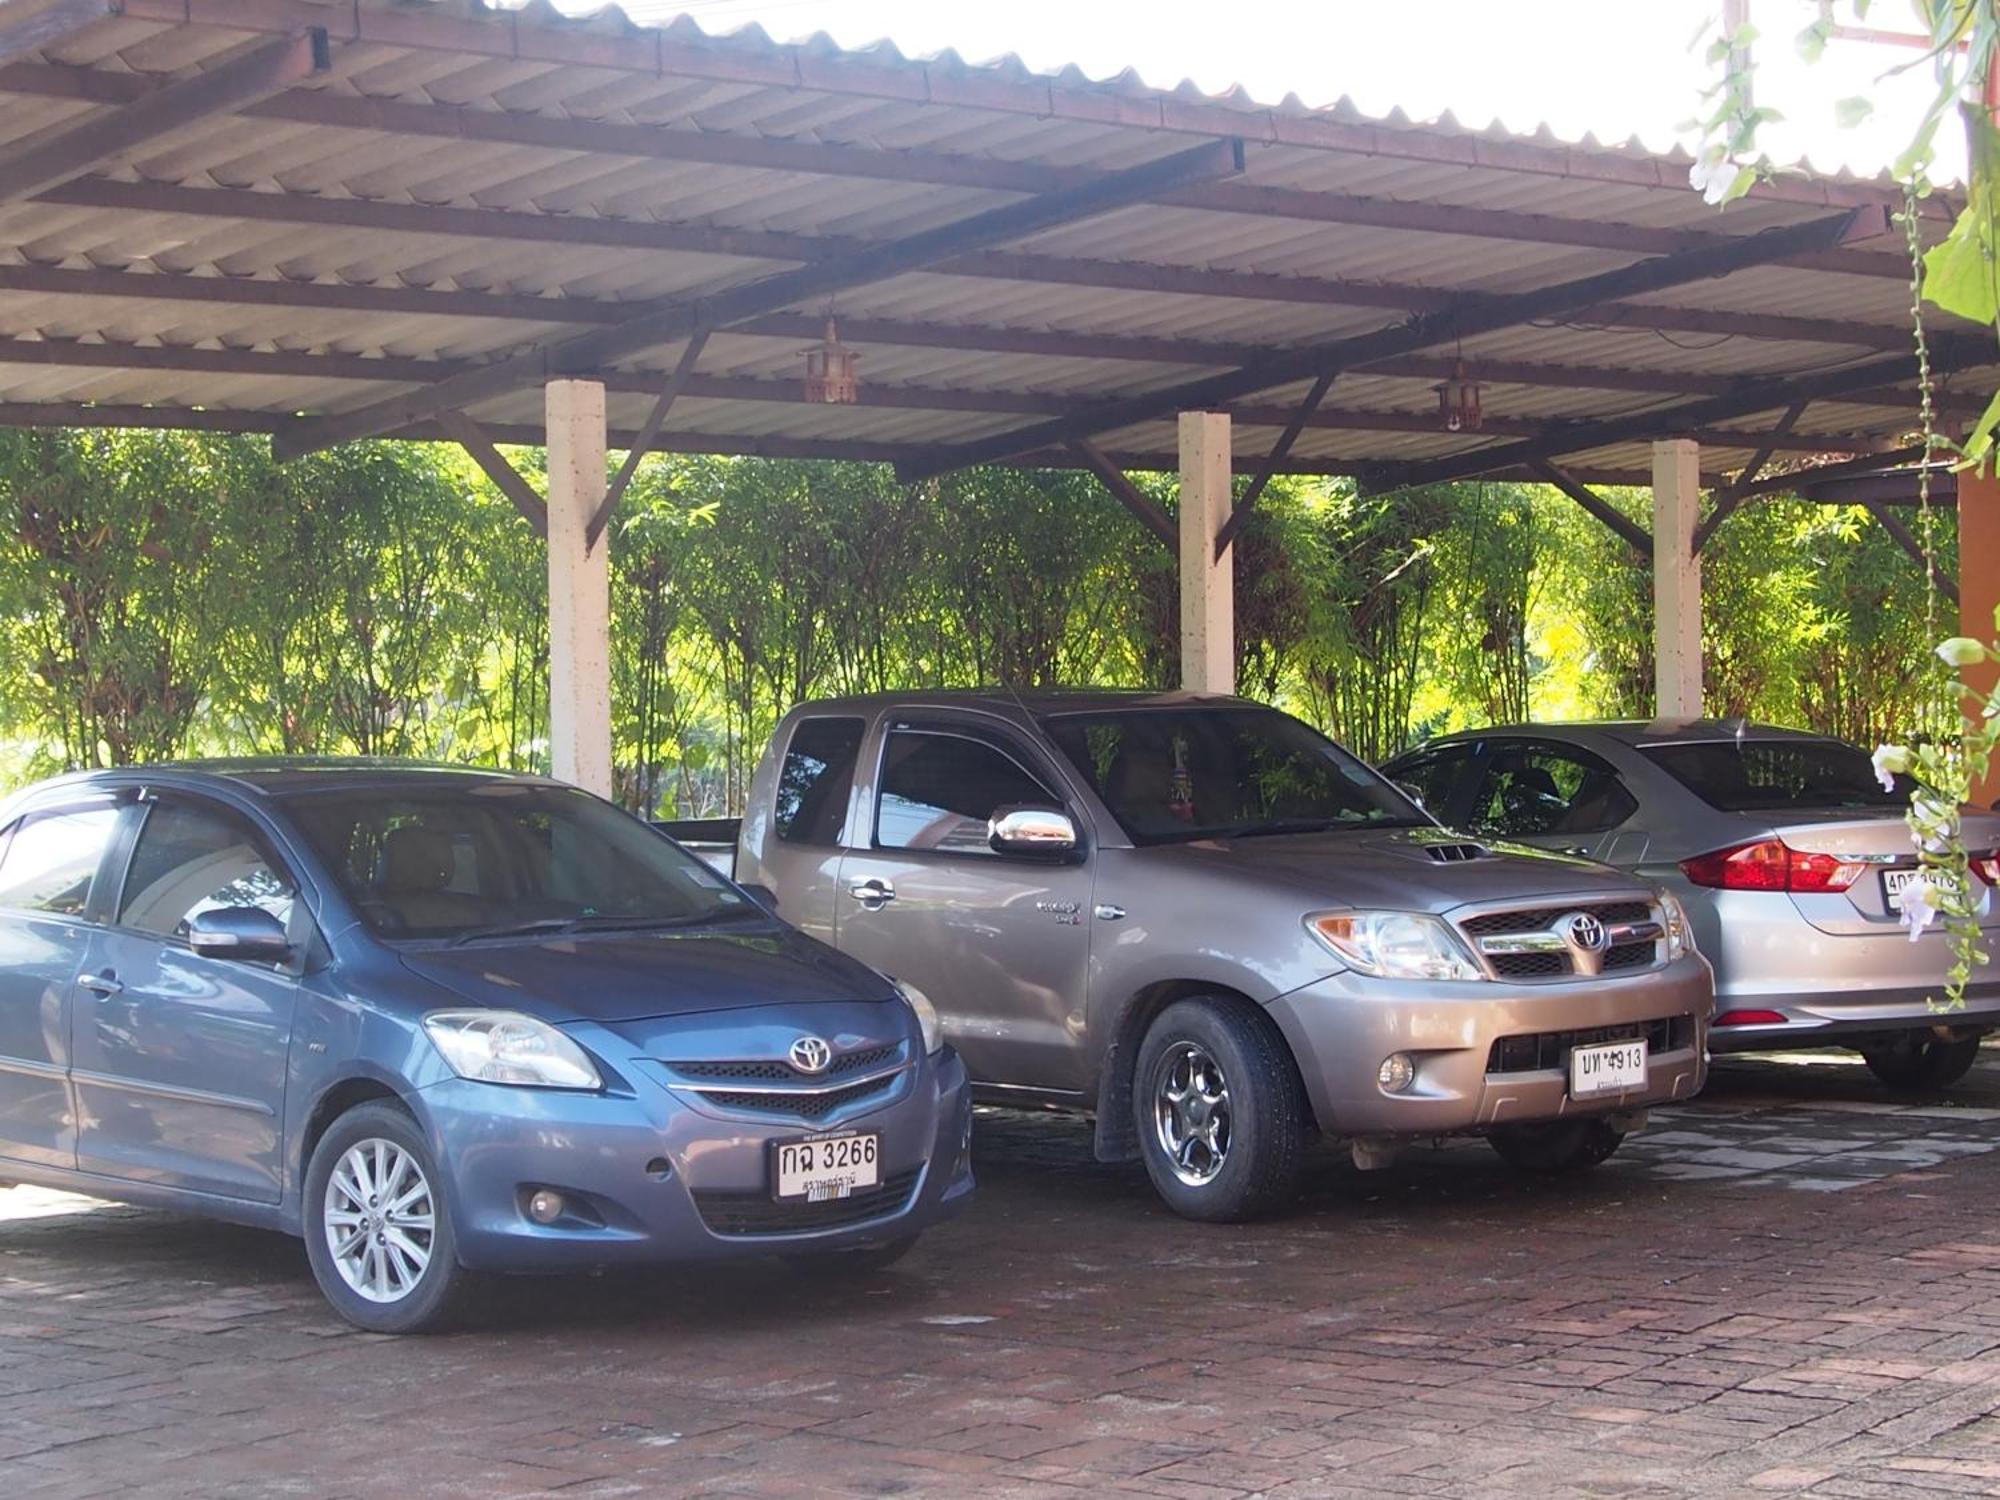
(844, 1265)
(1221, 1116)
(1556, 1148)
(404, 1275)
(1918, 1061)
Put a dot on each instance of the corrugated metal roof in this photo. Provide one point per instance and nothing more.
(466, 181)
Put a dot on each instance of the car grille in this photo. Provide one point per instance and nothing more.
(805, 1106)
(760, 1213)
(784, 1072)
(1534, 920)
(1529, 965)
(1547, 1051)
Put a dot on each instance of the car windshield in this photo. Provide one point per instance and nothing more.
(499, 859)
(1778, 775)
(1173, 775)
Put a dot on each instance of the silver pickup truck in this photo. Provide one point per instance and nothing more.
(1217, 931)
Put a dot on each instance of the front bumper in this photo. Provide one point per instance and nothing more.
(1342, 1027)
(649, 1178)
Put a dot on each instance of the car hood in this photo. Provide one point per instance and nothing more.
(627, 976)
(1411, 869)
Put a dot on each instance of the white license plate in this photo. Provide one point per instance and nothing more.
(1606, 1068)
(828, 1167)
(1895, 882)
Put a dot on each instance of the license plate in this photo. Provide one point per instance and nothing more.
(1895, 882)
(826, 1167)
(1607, 1068)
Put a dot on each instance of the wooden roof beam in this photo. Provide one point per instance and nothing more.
(1907, 540)
(1728, 499)
(1464, 316)
(992, 265)
(475, 440)
(1672, 421)
(672, 320)
(1280, 451)
(1127, 493)
(49, 160)
(1636, 536)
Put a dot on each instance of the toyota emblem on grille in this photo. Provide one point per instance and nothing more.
(811, 1055)
(1587, 933)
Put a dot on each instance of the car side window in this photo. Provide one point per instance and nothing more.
(52, 858)
(1432, 774)
(940, 787)
(815, 780)
(193, 858)
(1541, 790)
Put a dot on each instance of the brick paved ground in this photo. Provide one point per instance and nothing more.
(1792, 1288)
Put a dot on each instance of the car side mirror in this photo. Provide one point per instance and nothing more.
(242, 932)
(1044, 831)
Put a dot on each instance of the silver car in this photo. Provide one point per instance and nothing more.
(1788, 853)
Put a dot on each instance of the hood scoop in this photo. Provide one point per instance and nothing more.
(1456, 854)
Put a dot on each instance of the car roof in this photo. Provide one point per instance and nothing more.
(1033, 701)
(286, 775)
(1638, 733)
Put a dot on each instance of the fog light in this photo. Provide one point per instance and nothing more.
(1397, 1073)
(545, 1206)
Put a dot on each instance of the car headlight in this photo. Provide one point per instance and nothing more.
(504, 1046)
(1394, 944)
(1680, 931)
(927, 1016)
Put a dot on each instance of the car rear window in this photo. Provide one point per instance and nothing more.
(1776, 775)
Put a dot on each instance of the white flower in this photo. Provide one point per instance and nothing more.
(1890, 761)
(1918, 910)
(1961, 651)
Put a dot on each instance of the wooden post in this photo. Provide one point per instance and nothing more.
(1676, 579)
(1208, 594)
(579, 589)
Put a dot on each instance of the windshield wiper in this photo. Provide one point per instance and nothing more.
(515, 929)
(1318, 825)
(615, 923)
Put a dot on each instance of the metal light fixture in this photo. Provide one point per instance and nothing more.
(1458, 401)
(830, 370)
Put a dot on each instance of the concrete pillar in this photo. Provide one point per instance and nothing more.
(1208, 589)
(579, 589)
(1676, 579)
(1979, 585)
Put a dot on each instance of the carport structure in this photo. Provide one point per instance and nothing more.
(434, 220)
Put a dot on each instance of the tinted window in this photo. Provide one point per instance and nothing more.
(493, 855)
(1174, 774)
(52, 858)
(1431, 774)
(1775, 775)
(939, 790)
(814, 782)
(193, 858)
(1532, 790)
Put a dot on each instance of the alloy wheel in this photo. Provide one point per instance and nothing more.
(380, 1220)
(1191, 1113)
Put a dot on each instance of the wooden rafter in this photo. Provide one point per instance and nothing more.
(679, 319)
(475, 440)
(648, 430)
(1907, 540)
(48, 161)
(1464, 316)
(1636, 536)
(1727, 500)
(1128, 494)
(1280, 451)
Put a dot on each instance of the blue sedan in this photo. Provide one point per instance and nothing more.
(440, 1021)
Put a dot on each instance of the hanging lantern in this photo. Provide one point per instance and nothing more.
(1458, 401)
(830, 374)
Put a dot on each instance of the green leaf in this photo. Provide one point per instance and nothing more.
(1850, 112)
(1978, 446)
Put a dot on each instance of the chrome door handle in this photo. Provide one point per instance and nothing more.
(101, 984)
(871, 893)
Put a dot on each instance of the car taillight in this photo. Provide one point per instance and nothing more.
(1771, 865)
(1749, 1018)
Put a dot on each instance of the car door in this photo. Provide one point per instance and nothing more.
(50, 860)
(179, 1060)
(1550, 795)
(1000, 943)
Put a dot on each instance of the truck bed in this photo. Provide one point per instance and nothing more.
(711, 840)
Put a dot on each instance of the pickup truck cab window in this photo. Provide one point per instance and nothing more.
(815, 780)
(939, 789)
(1175, 775)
